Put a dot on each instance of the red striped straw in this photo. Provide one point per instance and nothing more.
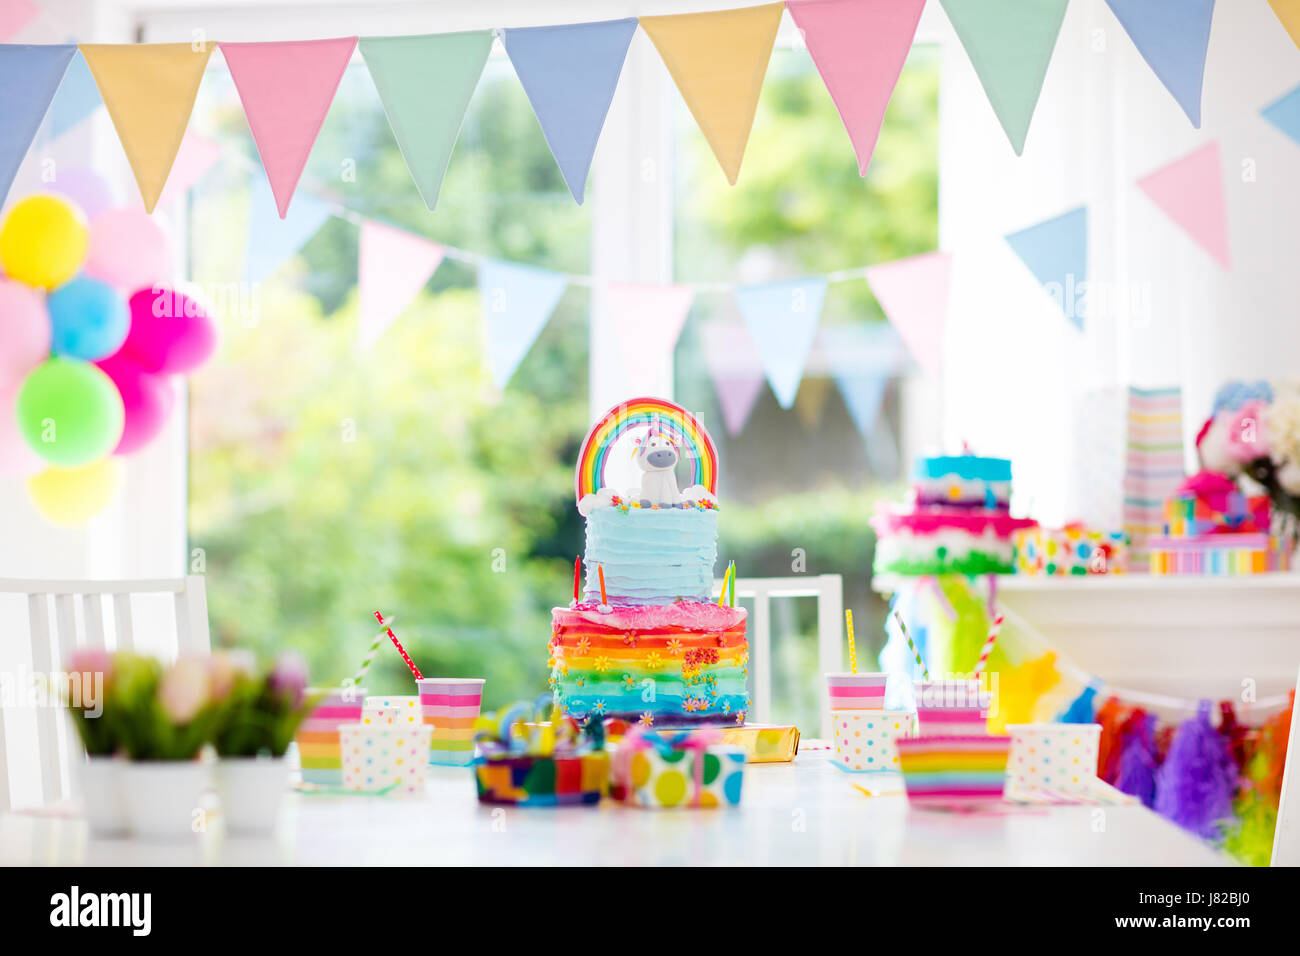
(988, 646)
(398, 644)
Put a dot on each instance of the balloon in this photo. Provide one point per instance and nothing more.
(128, 250)
(16, 459)
(89, 319)
(147, 399)
(72, 496)
(43, 241)
(70, 412)
(85, 189)
(24, 331)
(170, 332)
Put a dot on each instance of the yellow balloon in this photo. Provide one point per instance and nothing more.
(43, 241)
(72, 496)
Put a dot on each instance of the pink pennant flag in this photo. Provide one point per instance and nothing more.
(858, 47)
(15, 15)
(647, 319)
(1190, 191)
(197, 155)
(736, 369)
(394, 266)
(287, 89)
(913, 293)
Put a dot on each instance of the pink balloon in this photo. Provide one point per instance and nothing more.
(24, 331)
(86, 188)
(148, 400)
(16, 457)
(128, 250)
(170, 333)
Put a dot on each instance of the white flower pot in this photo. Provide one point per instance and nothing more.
(162, 797)
(251, 791)
(101, 792)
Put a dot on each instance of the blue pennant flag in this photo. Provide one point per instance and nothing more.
(1172, 36)
(272, 241)
(1284, 113)
(862, 359)
(29, 75)
(77, 98)
(782, 319)
(517, 301)
(1056, 252)
(569, 74)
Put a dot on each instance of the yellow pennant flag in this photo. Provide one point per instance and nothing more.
(718, 61)
(149, 89)
(1288, 12)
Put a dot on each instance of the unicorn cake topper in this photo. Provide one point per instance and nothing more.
(657, 457)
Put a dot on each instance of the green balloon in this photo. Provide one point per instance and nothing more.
(70, 412)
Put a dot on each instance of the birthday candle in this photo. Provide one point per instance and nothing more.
(732, 589)
(600, 572)
(577, 568)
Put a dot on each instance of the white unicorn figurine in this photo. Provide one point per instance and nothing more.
(657, 457)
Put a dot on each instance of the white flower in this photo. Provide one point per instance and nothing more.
(1288, 476)
(1283, 423)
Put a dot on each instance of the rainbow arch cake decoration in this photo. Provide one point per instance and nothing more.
(670, 418)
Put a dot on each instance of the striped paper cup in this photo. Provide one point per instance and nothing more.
(952, 707)
(861, 691)
(451, 705)
(865, 739)
(319, 750)
(392, 710)
(1054, 756)
(954, 770)
(385, 758)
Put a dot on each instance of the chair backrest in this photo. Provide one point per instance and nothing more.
(51, 647)
(1286, 837)
(829, 591)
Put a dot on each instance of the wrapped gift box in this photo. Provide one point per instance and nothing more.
(1070, 550)
(1191, 515)
(764, 743)
(535, 781)
(1219, 555)
(690, 768)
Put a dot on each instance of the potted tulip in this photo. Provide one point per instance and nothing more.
(92, 702)
(262, 711)
(166, 717)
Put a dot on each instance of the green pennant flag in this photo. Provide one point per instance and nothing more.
(425, 83)
(1009, 43)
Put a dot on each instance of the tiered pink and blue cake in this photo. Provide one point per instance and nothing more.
(957, 522)
(654, 649)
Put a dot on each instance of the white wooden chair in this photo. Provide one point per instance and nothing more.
(1286, 837)
(829, 591)
(52, 646)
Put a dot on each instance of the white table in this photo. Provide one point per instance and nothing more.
(802, 813)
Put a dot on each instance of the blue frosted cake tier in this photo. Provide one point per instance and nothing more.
(651, 556)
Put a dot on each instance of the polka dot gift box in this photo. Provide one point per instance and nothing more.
(865, 739)
(401, 711)
(690, 768)
(1053, 756)
(385, 758)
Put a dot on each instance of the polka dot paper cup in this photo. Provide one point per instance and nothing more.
(1053, 756)
(385, 758)
(392, 711)
(865, 739)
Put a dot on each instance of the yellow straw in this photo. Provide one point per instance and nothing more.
(853, 648)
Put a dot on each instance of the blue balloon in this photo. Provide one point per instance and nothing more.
(89, 318)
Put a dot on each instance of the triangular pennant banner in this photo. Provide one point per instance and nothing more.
(736, 369)
(913, 293)
(782, 318)
(718, 61)
(393, 267)
(811, 401)
(646, 319)
(77, 98)
(858, 47)
(29, 76)
(425, 84)
(1190, 191)
(149, 89)
(272, 240)
(1056, 252)
(1009, 43)
(569, 74)
(1288, 12)
(1284, 113)
(862, 360)
(517, 301)
(1172, 36)
(14, 17)
(286, 89)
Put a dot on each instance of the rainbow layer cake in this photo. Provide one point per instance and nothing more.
(957, 522)
(954, 770)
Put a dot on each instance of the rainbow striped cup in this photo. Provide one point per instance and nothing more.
(954, 770)
(451, 705)
(952, 707)
(319, 751)
(392, 710)
(861, 691)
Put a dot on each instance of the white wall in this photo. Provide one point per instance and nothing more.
(1018, 375)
